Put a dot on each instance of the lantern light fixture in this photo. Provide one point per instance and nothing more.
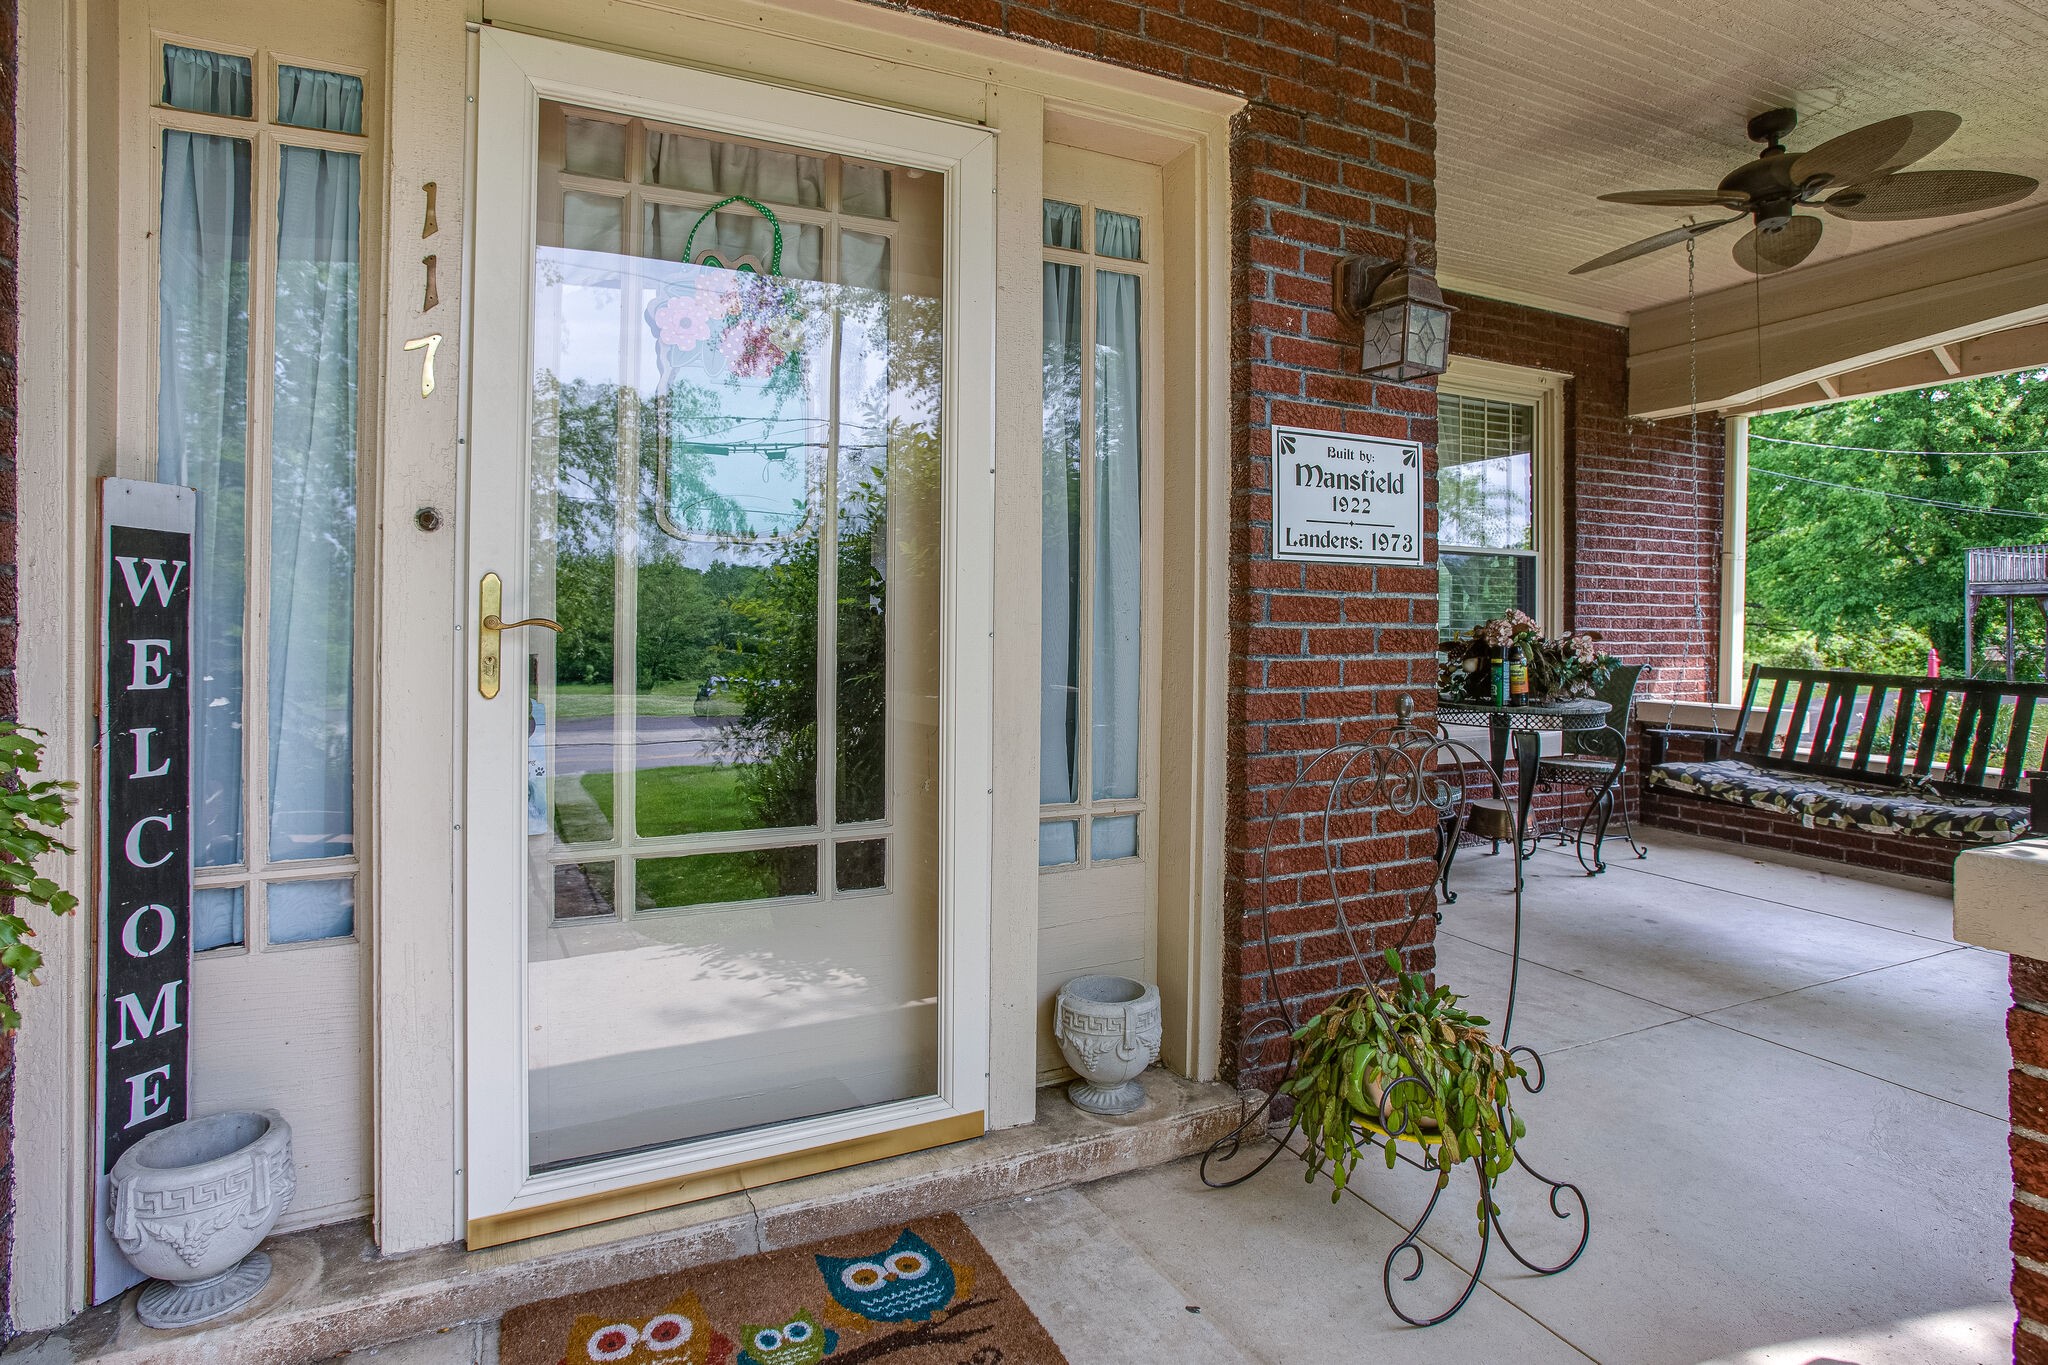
(1397, 304)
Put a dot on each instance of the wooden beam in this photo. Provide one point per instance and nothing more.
(2014, 348)
(1762, 340)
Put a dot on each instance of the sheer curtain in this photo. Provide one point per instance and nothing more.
(206, 82)
(203, 421)
(1060, 549)
(319, 99)
(1118, 647)
(313, 506)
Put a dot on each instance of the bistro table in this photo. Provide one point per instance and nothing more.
(1524, 725)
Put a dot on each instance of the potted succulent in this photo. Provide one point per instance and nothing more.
(1402, 1061)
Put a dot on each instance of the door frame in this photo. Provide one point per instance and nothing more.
(516, 71)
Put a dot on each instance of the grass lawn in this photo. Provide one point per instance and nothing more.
(594, 701)
(679, 800)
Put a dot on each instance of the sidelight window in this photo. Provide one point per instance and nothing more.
(258, 338)
(1092, 554)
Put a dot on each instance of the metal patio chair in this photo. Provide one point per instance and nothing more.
(1597, 760)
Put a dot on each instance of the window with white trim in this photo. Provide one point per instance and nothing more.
(258, 329)
(1497, 497)
(1093, 697)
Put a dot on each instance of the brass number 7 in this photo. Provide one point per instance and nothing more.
(429, 343)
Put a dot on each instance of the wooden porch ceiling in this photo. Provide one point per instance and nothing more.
(1545, 104)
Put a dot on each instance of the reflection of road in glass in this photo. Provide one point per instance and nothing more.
(585, 746)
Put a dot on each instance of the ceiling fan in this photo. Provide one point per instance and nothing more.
(1860, 174)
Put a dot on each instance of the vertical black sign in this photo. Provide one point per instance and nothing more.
(145, 838)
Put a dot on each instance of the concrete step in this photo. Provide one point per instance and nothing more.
(331, 1292)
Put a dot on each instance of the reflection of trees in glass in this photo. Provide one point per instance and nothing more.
(1484, 472)
(890, 454)
(1476, 588)
(686, 619)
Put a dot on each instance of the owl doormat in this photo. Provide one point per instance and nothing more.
(922, 1294)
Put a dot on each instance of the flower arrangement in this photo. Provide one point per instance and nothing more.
(1560, 667)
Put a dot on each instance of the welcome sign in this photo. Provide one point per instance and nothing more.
(144, 930)
(1346, 499)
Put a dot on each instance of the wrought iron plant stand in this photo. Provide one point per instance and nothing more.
(1405, 769)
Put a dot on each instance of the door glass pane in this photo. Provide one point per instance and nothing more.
(206, 82)
(1118, 652)
(1059, 843)
(313, 507)
(301, 912)
(216, 917)
(707, 165)
(203, 441)
(1119, 235)
(1112, 836)
(319, 99)
(1062, 225)
(1059, 698)
(734, 513)
(722, 878)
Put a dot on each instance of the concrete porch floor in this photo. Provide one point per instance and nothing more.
(1782, 1088)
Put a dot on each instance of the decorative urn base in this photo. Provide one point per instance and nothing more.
(191, 1204)
(164, 1304)
(1108, 1030)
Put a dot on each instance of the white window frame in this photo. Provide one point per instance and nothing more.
(1087, 807)
(1543, 390)
(258, 870)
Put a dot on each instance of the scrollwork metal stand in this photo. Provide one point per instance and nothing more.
(1405, 769)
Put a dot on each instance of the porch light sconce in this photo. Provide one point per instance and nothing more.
(1406, 322)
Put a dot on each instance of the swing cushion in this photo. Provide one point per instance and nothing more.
(1831, 803)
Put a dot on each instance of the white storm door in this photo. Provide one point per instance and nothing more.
(727, 826)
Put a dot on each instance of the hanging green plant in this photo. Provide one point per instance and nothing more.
(33, 812)
(1405, 1060)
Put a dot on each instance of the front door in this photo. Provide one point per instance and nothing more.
(708, 646)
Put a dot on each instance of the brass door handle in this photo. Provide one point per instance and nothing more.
(490, 602)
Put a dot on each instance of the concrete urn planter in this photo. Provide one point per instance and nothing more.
(1108, 1030)
(191, 1203)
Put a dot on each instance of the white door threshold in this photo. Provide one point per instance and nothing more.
(331, 1292)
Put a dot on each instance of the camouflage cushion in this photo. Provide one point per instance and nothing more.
(1825, 802)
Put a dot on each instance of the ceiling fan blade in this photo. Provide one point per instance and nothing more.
(1867, 152)
(1929, 194)
(1680, 199)
(1671, 237)
(1767, 253)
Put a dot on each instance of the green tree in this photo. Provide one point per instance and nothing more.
(1848, 579)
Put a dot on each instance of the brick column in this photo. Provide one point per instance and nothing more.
(2026, 1026)
(1334, 153)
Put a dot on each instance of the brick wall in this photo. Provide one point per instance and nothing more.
(2026, 1027)
(1336, 153)
(9, 235)
(1642, 499)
